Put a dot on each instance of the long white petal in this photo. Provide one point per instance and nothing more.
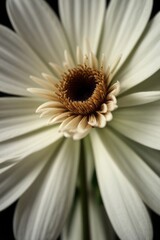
(150, 84)
(43, 209)
(144, 179)
(40, 28)
(145, 60)
(100, 227)
(138, 98)
(15, 180)
(20, 147)
(124, 24)
(140, 123)
(18, 117)
(89, 159)
(17, 63)
(16, 106)
(73, 227)
(80, 18)
(150, 156)
(126, 211)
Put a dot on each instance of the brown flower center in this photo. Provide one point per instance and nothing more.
(82, 90)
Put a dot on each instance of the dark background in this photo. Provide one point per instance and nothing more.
(6, 216)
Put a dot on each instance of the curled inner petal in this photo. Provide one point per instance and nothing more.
(82, 98)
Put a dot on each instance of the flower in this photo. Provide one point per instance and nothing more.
(93, 79)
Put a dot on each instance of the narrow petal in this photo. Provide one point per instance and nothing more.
(18, 117)
(39, 27)
(80, 18)
(49, 198)
(138, 172)
(18, 62)
(17, 179)
(20, 147)
(140, 123)
(100, 228)
(16, 106)
(126, 211)
(145, 60)
(18, 126)
(150, 156)
(150, 84)
(139, 98)
(73, 227)
(123, 27)
(88, 159)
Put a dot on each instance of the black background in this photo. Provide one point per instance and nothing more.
(6, 216)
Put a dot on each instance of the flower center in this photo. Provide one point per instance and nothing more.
(80, 85)
(82, 89)
(80, 95)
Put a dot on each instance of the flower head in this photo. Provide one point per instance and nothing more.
(80, 97)
(86, 100)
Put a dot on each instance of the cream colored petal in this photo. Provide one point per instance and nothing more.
(18, 62)
(150, 84)
(79, 19)
(145, 60)
(16, 106)
(89, 159)
(17, 179)
(140, 123)
(150, 156)
(71, 125)
(126, 211)
(82, 124)
(137, 171)
(18, 126)
(99, 228)
(18, 117)
(124, 24)
(101, 120)
(73, 227)
(20, 147)
(39, 26)
(43, 209)
(139, 98)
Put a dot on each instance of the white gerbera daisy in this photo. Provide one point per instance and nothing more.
(86, 88)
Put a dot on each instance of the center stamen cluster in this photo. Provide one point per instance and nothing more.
(82, 90)
(79, 96)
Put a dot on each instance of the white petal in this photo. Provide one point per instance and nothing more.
(150, 156)
(40, 28)
(139, 98)
(99, 228)
(123, 27)
(145, 60)
(15, 180)
(43, 209)
(126, 211)
(18, 62)
(80, 18)
(150, 84)
(18, 117)
(18, 126)
(73, 227)
(16, 106)
(144, 179)
(140, 123)
(88, 158)
(20, 147)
